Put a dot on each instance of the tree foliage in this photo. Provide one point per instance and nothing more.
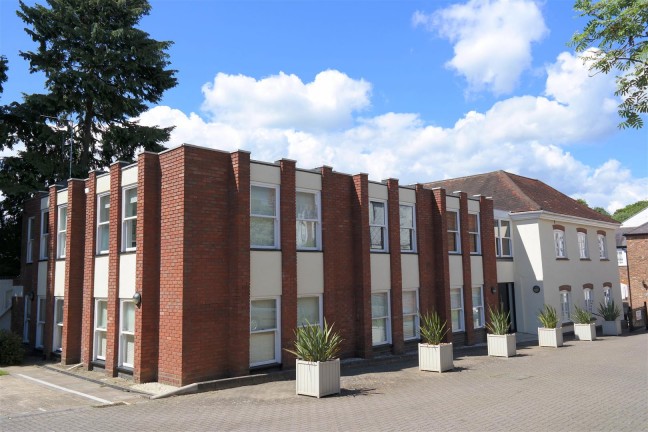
(619, 30)
(630, 210)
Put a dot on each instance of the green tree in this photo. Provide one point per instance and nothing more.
(619, 30)
(630, 210)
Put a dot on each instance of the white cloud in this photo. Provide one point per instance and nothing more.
(491, 39)
(524, 134)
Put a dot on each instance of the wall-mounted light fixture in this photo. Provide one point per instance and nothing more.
(137, 298)
(493, 290)
(31, 295)
(536, 289)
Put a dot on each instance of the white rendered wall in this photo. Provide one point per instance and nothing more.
(310, 273)
(101, 277)
(265, 274)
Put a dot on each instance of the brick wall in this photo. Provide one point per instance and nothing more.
(288, 230)
(393, 219)
(637, 247)
(441, 266)
(87, 320)
(489, 259)
(425, 248)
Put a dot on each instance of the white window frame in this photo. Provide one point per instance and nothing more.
(387, 318)
(318, 221)
(621, 258)
(320, 315)
(411, 230)
(477, 234)
(276, 331)
(127, 221)
(277, 233)
(123, 334)
(456, 233)
(565, 306)
(101, 224)
(41, 312)
(583, 246)
(44, 235)
(61, 231)
(625, 292)
(382, 227)
(479, 310)
(98, 330)
(57, 336)
(607, 295)
(602, 243)
(499, 239)
(462, 320)
(588, 296)
(414, 315)
(29, 258)
(26, 318)
(560, 245)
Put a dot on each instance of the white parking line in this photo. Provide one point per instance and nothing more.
(104, 401)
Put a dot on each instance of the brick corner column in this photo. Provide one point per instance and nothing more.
(74, 252)
(396, 272)
(288, 260)
(87, 323)
(51, 272)
(362, 265)
(466, 268)
(114, 242)
(441, 259)
(328, 238)
(489, 259)
(147, 279)
(239, 243)
(425, 248)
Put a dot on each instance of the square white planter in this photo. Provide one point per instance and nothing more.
(612, 328)
(318, 378)
(550, 337)
(436, 358)
(586, 332)
(501, 345)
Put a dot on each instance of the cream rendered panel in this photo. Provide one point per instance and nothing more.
(265, 173)
(59, 279)
(310, 273)
(410, 271)
(456, 272)
(380, 272)
(101, 277)
(378, 191)
(528, 272)
(407, 195)
(44, 204)
(129, 176)
(473, 206)
(62, 197)
(505, 271)
(265, 273)
(103, 184)
(127, 267)
(41, 287)
(476, 270)
(306, 180)
(452, 203)
(527, 244)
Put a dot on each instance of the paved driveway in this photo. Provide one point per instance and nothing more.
(600, 385)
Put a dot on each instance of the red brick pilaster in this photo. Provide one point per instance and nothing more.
(489, 260)
(114, 242)
(441, 266)
(147, 282)
(74, 251)
(238, 342)
(396, 273)
(426, 248)
(87, 324)
(288, 260)
(363, 259)
(51, 272)
(466, 268)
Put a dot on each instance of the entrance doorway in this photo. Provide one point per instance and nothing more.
(507, 302)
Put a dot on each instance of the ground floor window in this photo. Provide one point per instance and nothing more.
(565, 306)
(410, 314)
(40, 321)
(457, 309)
(478, 306)
(309, 311)
(57, 343)
(264, 332)
(101, 320)
(589, 300)
(607, 295)
(127, 334)
(380, 319)
(26, 319)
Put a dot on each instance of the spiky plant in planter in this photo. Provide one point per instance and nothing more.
(433, 328)
(610, 313)
(548, 317)
(433, 354)
(500, 342)
(549, 334)
(499, 321)
(584, 328)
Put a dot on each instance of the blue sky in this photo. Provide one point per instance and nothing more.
(408, 89)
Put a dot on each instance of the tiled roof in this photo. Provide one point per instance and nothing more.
(516, 193)
(640, 230)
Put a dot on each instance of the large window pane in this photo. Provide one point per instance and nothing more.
(306, 234)
(262, 347)
(306, 205)
(308, 311)
(262, 231)
(263, 315)
(409, 302)
(263, 201)
(379, 305)
(128, 317)
(379, 331)
(130, 202)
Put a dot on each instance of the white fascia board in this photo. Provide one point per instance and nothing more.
(556, 217)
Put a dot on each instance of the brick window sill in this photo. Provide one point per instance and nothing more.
(562, 259)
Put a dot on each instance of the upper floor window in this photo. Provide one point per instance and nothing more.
(503, 243)
(583, 247)
(44, 234)
(621, 257)
(407, 228)
(559, 243)
(61, 231)
(308, 220)
(129, 217)
(454, 242)
(378, 225)
(103, 223)
(473, 233)
(30, 239)
(264, 220)
(602, 244)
